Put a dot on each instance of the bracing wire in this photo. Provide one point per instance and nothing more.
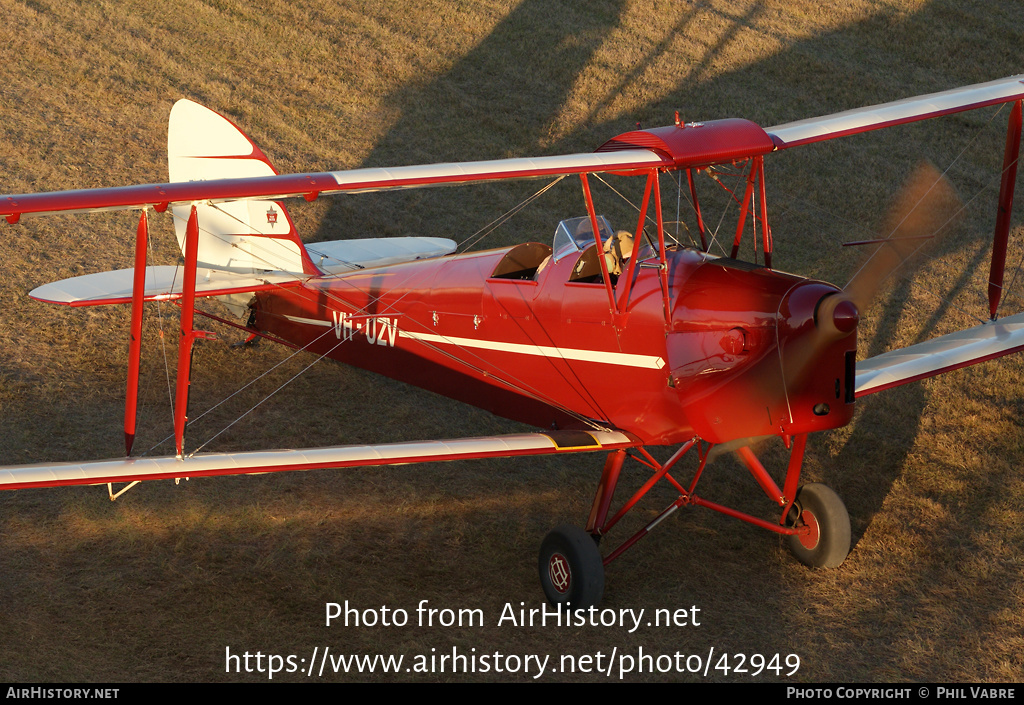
(264, 399)
(477, 237)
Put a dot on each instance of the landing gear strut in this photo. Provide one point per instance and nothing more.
(812, 517)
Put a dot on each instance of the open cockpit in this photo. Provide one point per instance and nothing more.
(573, 237)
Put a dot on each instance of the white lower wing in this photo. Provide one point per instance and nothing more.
(948, 352)
(130, 469)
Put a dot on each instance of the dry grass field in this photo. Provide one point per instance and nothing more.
(155, 586)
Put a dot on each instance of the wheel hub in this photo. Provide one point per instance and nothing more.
(558, 571)
(809, 540)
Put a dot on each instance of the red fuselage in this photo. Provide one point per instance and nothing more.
(535, 339)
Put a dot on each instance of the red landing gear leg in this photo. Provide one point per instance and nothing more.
(570, 564)
(822, 538)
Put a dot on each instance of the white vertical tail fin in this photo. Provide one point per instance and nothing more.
(240, 236)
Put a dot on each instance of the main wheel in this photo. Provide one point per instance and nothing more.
(571, 570)
(828, 543)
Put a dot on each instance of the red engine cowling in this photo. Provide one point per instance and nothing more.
(748, 356)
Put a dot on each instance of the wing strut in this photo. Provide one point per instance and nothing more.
(605, 277)
(1006, 188)
(766, 232)
(755, 179)
(652, 177)
(135, 336)
(662, 255)
(696, 208)
(188, 334)
(744, 208)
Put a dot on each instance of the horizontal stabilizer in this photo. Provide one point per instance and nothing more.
(163, 283)
(207, 464)
(340, 256)
(943, 354)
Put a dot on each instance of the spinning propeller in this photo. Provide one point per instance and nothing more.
(925, 204)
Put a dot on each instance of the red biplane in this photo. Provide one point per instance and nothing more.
(608, 339)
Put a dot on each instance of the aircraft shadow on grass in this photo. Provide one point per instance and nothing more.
(506, 94)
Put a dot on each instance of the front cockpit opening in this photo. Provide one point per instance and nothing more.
(573, 235)
(576, 236)
(522, 261)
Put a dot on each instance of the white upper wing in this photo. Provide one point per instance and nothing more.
(898, 112)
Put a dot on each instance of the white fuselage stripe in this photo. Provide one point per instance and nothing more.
(650, 362)
(309, 321)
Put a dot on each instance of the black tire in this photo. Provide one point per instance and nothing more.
(571, 570)
(829, 542)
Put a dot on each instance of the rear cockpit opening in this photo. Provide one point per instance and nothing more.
(522, 261)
